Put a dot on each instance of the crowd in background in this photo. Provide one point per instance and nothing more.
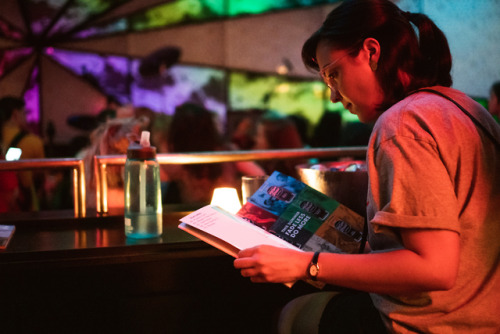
(192, 128)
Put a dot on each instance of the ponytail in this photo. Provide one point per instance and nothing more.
(434, 65)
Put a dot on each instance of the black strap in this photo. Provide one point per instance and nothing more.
(476, 122)
(17, 138)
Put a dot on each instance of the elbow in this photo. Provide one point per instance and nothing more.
(444, 281)
(446, 284)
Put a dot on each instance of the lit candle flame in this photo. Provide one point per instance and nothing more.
(227, 199)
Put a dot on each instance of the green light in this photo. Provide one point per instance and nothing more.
(177, 12)
(185, 11)
(250, 7)
(287, 97)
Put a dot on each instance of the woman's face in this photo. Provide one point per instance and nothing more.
(351, 80)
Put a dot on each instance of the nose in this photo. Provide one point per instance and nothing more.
(334, 95)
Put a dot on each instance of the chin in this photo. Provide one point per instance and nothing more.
(366, 120)
(358, 114)
(367, 117)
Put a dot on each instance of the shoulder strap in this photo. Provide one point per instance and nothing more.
(476, 122)
(20, 135)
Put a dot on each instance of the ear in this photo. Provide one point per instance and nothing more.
(372, 47)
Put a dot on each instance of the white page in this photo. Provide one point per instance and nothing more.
(232, 229)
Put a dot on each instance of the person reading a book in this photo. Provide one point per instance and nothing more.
(433, 261)
(15, 133)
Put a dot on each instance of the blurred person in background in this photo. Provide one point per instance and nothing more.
(195, 129)
(494, 101)
(14, 133)
(302, 125)
(111, 137)
(243, 137)
(275, 132)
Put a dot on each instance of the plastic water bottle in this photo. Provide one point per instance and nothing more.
(143, 206)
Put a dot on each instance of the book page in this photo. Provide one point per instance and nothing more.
(232, 230)
(210, 239)
(227, 232)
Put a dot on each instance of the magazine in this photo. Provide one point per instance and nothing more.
(283, 212)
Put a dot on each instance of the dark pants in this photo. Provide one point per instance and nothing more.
(351, 313)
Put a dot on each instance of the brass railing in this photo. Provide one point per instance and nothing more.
(101, 162)
(53, 163)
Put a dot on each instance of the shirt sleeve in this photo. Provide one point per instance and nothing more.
(411, 187)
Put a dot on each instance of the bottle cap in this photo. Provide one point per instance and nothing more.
(142, 150)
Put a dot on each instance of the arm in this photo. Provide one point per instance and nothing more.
(249, 168)
(429, 262)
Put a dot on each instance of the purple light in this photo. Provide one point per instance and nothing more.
(32, 98)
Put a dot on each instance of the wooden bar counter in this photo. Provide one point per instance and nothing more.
(62, 274)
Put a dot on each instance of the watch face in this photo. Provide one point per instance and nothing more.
(313, 270)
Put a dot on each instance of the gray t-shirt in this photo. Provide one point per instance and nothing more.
(431, 167)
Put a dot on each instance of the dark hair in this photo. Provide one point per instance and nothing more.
(7, 106)
(425, 58)
(193, 129)
(281, 133)
(495, 89)
(302, 124)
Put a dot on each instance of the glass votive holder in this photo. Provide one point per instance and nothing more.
(227, 199)
(250, 184)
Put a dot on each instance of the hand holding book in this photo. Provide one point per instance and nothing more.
(253, 261)
(285, 213)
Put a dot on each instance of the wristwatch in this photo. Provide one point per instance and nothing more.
(313, 269)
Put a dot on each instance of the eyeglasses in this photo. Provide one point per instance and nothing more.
(325, 72)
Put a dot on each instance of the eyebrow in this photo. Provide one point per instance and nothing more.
(330, 64)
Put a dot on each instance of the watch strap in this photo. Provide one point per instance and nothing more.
(315, 258)
(314, 263)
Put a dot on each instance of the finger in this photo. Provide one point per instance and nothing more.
(248, 272)
(247, 252)
(258, 279)
(245, 262)
(253, 274)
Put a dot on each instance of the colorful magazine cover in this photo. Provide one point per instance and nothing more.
(303, 216)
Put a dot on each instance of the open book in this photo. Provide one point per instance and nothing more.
(283, 212)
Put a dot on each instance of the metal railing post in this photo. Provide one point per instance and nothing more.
(76, 165)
